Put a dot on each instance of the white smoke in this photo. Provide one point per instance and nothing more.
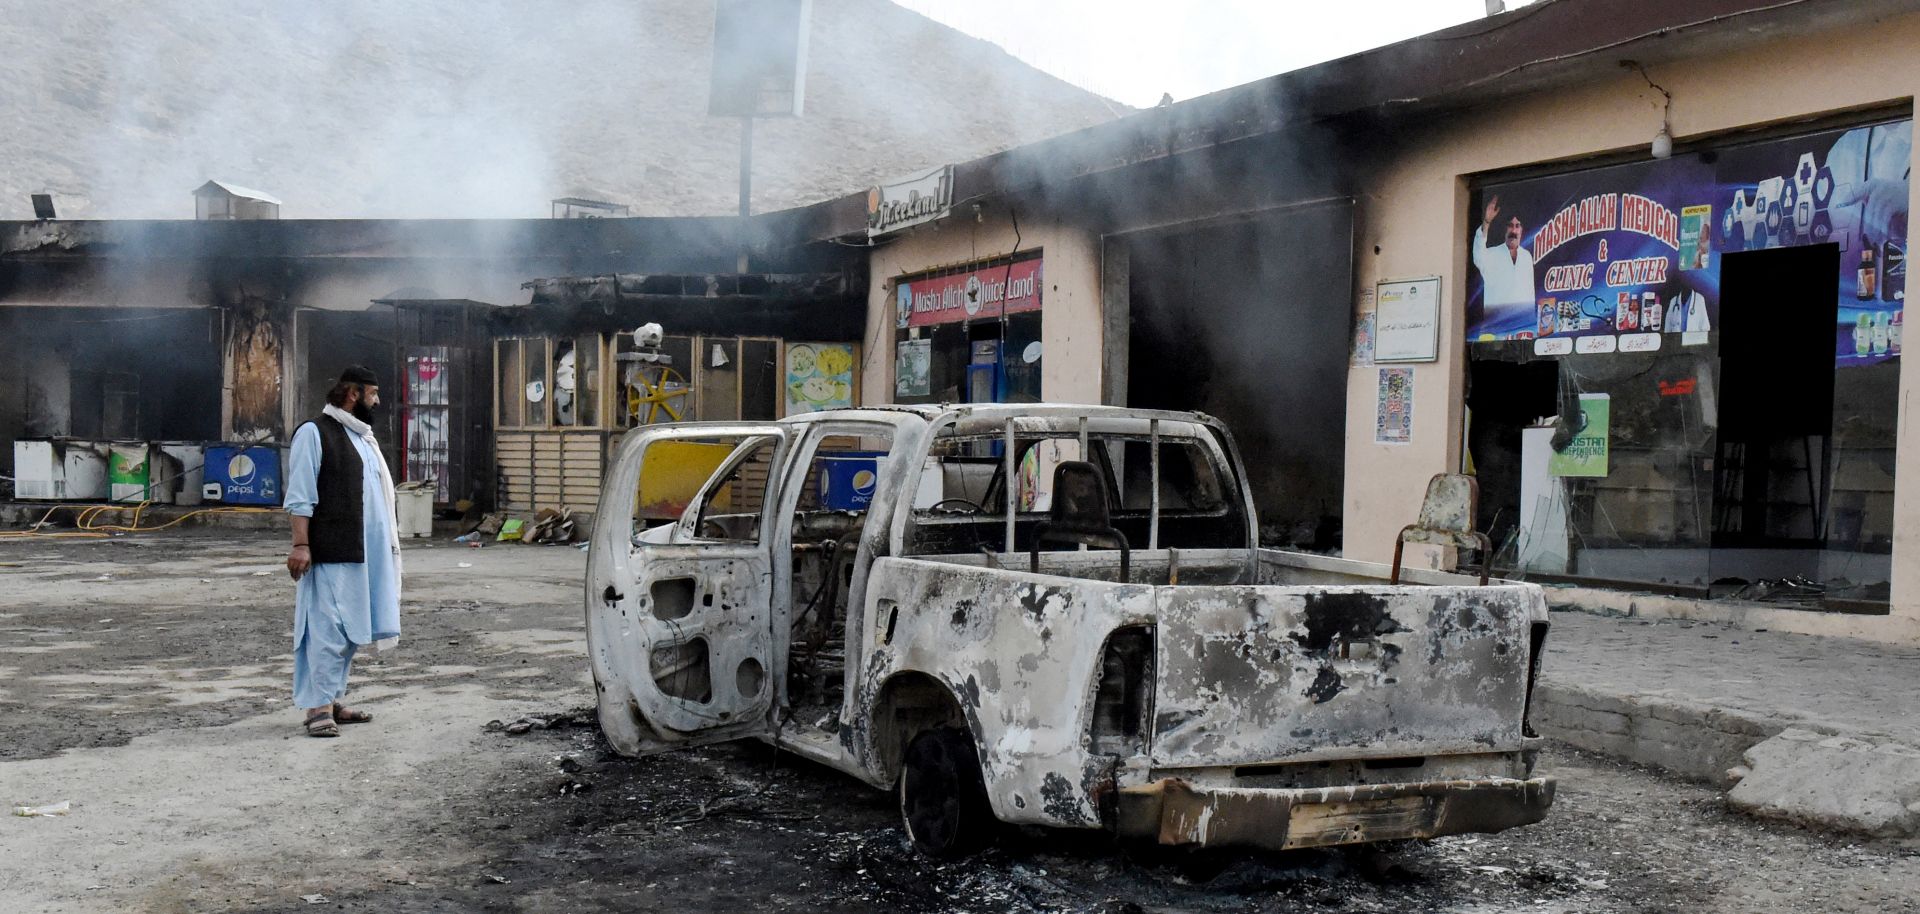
(477, 108)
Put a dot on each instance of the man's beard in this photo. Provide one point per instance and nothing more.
(363, 412)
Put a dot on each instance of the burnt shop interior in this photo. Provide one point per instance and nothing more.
(1701, 396)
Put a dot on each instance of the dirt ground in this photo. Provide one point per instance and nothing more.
(144, 679)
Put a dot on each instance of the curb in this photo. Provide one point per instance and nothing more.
(1773, 767)
(1690, 739)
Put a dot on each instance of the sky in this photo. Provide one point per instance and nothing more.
(1134, 50)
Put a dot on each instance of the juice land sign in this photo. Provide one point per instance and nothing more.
(988, 292)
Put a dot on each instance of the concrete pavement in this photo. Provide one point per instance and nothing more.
(1824, 731)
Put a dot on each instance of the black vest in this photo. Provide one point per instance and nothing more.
(334, 534)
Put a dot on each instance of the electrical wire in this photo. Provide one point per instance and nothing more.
(86, 527)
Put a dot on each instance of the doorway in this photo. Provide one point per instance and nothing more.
(1249, 320)
(1775, 449)
(1804, 458)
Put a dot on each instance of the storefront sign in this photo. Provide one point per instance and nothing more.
(909, 201)
(988, 292)
(1632, 253)
(1408, 325)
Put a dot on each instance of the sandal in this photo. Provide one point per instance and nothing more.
(346, 715)
(321, 723)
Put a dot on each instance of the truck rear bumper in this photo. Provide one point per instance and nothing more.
(1172, 811)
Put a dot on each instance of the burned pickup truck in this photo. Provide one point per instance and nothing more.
(1058, 616)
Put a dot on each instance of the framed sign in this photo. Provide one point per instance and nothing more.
(1407, 320)
(819, 376)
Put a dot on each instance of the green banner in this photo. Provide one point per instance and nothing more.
(1586, 454)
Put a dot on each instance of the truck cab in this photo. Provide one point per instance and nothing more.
(1051, 615)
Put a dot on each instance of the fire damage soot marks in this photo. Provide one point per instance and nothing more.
(741, 827)
(1334, 622)
(1038, 601)
(1060, 799)
(1456, 620)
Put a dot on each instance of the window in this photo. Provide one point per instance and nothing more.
(577, 382)
(1188, 481)
(961, 502)
(716, 485)
(551, 383)
(426, 445)
(731, 506)
(693, 378)
(717, 378)
(843, 474)
(970, 335)
(522, 370)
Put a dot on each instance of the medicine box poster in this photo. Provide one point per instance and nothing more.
(1627, 258)
(819, 376)
(1393, 417)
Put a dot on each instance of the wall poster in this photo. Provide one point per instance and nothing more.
(1626, 258)
(911, 369)
(426, 450)
(1586, 454)
(1407, 323)
(1363, 331)
(1393, 417)
(1363, 335)
(819, 376)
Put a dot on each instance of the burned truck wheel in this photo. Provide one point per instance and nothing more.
(943, 799)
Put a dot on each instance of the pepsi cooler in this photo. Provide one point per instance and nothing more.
(847, 479)
(245, 474)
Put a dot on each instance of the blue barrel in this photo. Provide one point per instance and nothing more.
(847, 479)
(247, 474)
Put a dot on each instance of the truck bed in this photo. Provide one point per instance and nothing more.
(1278, 658)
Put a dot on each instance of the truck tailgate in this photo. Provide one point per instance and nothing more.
(1261, 674)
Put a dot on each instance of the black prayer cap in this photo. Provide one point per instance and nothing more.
(359, 374)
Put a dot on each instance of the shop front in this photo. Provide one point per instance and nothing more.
(970, 334)
(999, 306)
(1669, 333)
(564, 401)
(1683, 373)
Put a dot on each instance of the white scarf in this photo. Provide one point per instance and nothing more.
(365, 431)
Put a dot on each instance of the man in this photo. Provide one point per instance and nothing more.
(346, 550)
(1506, 271)
(1872, 167)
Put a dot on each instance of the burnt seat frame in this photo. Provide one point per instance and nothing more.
(1079, 515)
(1446, 519)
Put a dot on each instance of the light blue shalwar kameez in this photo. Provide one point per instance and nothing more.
(340, 606)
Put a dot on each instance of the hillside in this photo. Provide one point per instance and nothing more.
(443, 109)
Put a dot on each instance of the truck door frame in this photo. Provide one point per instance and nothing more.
(625, 628)
(875, 539)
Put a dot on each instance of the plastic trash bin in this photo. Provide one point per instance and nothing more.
(413, 505)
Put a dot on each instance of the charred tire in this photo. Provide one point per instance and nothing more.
(943, 799)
